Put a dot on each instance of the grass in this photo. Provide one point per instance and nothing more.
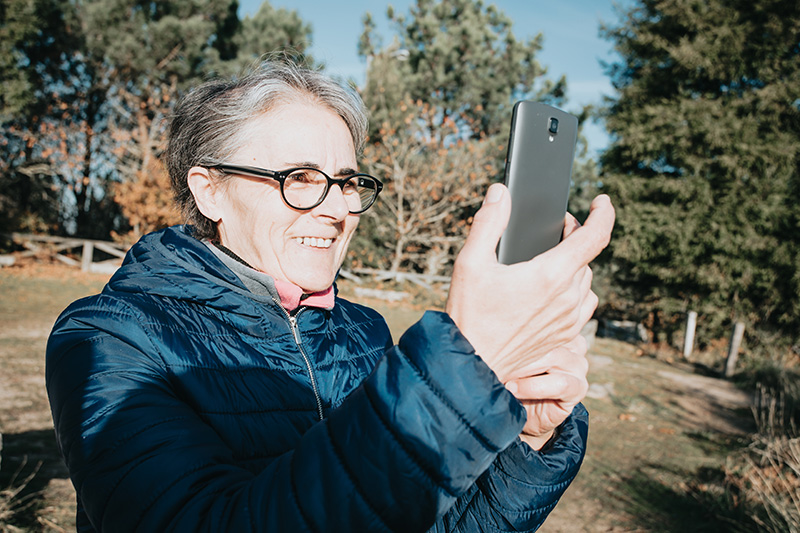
(35, 492)
(659, 444)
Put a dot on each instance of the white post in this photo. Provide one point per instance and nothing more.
(733, 351)
(688, 341)
(86, 256)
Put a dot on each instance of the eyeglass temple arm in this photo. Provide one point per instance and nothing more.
(250, 171)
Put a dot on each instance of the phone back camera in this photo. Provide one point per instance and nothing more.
(553, 126)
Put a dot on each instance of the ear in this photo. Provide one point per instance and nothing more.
(205, 190)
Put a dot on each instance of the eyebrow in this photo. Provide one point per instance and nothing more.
(346, 171)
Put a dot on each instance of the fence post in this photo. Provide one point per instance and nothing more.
(733, 350)
(86, 256)
(688, 340)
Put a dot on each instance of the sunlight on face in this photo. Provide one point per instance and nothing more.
(301, 247)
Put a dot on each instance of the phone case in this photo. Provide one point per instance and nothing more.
(541, 149)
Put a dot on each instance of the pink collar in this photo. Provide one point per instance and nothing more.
(292, 296)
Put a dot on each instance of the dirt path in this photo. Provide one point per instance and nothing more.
(653, 425)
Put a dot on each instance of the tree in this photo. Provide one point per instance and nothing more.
(440, 97)
(271, 30)
(137, 56)
(419, 223)
(87, 87)
(32, 37)
(461, 57)
(704, 165)
(144, 192)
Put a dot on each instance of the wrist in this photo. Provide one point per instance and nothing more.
(538, 442)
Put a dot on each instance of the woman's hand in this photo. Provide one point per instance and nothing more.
(515, 314)
(556, 384)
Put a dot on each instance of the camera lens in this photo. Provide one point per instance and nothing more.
(553, 127)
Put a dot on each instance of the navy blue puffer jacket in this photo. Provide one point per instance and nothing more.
(182, 402)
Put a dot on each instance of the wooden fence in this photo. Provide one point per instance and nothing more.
(71, 251)
(81, 252)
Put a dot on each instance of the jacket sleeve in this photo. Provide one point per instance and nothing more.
(410, 441)
(522, 486)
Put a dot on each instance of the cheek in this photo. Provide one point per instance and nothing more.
(351, 223)
(258, 210)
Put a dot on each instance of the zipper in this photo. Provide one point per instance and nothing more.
(299, 342)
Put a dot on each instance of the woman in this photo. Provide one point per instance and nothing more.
(219, 384)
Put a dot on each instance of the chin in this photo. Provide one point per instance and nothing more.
(315, 284)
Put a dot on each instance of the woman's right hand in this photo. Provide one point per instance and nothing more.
(515, 314)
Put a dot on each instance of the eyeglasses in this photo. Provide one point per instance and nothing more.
(304, 188)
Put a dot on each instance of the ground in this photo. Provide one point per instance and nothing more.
(659, 438)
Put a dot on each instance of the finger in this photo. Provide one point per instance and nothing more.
(587, 241)
(570, 224)
(588, 307)
(552, 386)
(589, 300)
(488, 224)
(578, 346)
(569, 358)
(569, 355)
(586, 280)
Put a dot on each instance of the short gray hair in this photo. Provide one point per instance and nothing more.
(209, 124)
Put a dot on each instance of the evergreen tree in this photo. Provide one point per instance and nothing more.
(704, 164)
(33, 36)
(459, 56)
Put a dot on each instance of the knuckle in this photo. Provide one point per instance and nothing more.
(581, 346)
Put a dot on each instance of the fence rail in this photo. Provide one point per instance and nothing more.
(65, 249)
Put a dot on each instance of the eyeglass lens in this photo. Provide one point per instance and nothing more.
(306, 187)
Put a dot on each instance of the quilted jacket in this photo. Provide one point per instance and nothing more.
(183, 402)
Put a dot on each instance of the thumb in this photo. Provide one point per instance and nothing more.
(489, 222)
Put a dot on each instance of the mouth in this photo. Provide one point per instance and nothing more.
(314, 242)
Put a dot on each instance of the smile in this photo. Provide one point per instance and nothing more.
(314, 242)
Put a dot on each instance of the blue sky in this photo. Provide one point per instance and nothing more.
(572, 45)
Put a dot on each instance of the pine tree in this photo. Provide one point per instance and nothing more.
(459, 56)
(704, 164)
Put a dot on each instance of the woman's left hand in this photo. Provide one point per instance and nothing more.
(553, 386)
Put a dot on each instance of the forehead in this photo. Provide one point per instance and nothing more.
(298, 131)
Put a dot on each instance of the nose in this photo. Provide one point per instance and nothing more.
(334, 205)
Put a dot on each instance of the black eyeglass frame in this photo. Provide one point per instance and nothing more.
(282, 175)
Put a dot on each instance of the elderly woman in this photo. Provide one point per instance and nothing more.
(218, 383)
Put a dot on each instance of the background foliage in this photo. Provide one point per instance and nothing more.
(440, 95)
(704, 164)
(86, 88)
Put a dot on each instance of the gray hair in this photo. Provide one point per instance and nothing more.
(209, 124)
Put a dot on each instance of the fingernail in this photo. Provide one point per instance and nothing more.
(493, 195)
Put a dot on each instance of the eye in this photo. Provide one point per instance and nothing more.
(302, 176)
(352, 184)
(307, 177)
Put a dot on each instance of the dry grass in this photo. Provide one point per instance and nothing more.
(35, 492)
(659, 440)
(13, 499)
(767, 473)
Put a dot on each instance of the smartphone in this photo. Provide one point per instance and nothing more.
(541, 148)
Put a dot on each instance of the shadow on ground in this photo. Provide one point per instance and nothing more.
(30, 460)
(700, 503)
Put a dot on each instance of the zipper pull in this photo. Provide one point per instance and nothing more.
(295, 330)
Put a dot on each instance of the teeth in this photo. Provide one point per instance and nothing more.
(314, 242)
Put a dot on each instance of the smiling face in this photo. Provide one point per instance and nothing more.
(301, 247)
